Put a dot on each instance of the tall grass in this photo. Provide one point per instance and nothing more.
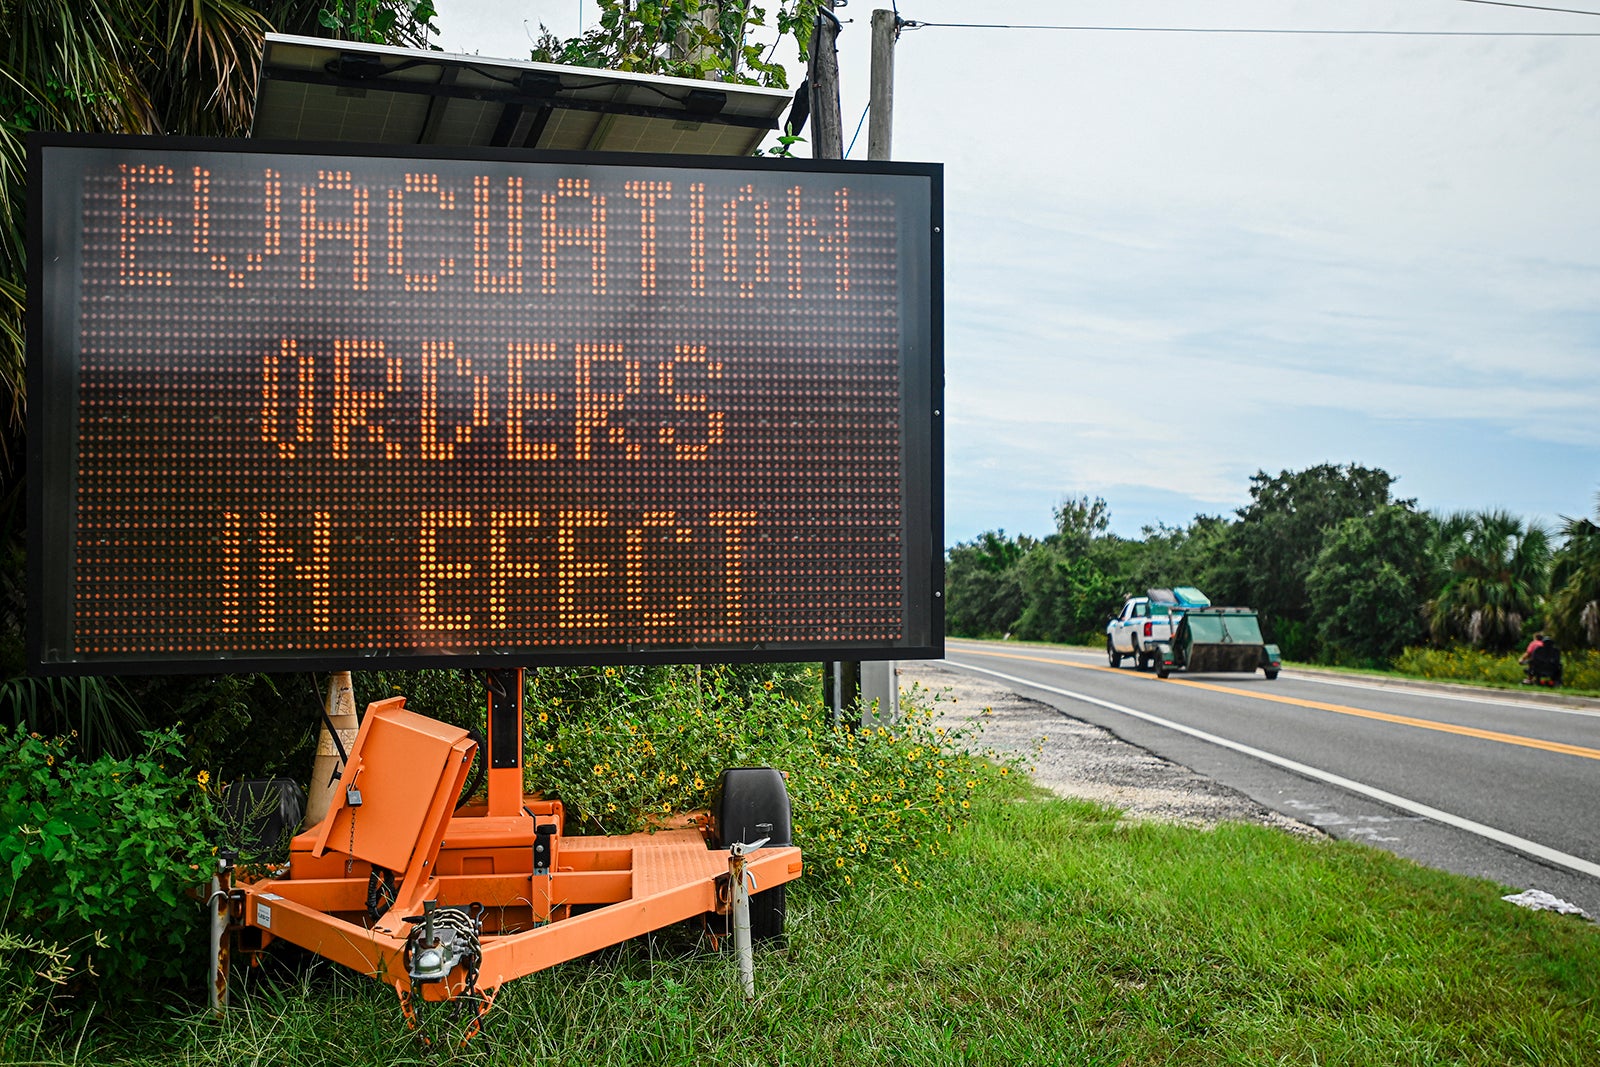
(1053, 932)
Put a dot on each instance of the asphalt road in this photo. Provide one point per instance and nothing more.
(1493, 786)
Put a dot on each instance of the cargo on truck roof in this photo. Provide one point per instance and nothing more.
(1163, 601)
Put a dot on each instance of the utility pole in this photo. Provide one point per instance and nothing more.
(880, 681)
(880, 111)
(828, 128)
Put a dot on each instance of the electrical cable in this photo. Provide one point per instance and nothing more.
(1532, 7)
(853, 136)
(915, 25)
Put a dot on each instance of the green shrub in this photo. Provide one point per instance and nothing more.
(859, 796)
(1580, 670)
(104, 852)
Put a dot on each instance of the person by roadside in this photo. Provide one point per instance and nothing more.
(1533, 646)
(1541, 662)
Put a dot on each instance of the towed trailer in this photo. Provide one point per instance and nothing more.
(1212, 639)
(446, 903)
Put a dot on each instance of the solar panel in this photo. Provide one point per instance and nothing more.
(314, 89)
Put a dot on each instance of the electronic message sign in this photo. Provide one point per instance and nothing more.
(299, 407)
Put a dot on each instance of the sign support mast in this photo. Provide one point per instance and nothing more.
(879, 679)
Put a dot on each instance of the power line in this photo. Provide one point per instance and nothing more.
(1532, 7)
(858, 129)
(914, 25)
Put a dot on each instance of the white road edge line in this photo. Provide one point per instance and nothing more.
(1521, 844)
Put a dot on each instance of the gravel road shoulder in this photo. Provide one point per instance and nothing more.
(1073, 758)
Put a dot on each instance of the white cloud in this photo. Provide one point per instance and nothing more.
(1322, 249)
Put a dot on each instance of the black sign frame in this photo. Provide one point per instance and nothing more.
(59, 485)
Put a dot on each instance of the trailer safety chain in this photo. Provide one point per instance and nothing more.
(485, 1001)
(482, 1000)
(350, 853)
(441, 938)
(453, 935)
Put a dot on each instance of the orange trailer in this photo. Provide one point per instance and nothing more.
(445, 903)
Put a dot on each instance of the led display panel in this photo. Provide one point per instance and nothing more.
(309, 407)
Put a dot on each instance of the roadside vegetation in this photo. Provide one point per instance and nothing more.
(1341, 572)
(1043, 931)
(1581, 670)
(102, 855)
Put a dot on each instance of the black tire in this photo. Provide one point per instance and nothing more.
(1113, 657)
(1270, 675)
(1162, 672)
(751, 803)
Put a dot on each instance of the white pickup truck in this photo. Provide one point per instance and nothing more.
(1147, 619)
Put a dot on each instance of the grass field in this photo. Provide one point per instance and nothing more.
(1054, 932)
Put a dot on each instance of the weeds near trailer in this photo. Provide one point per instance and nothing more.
(860, 795)
(98, 858)
(626, 747)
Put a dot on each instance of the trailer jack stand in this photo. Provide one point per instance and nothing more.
(740, 878)
(217, 907)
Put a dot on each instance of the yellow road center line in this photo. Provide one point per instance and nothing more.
(1318, 705)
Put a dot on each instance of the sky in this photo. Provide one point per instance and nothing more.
(1174, 259)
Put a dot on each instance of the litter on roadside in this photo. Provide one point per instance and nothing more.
(1539, 900)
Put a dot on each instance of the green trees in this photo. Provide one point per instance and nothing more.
(1270, 551)
(1059, 589)
(983, 589)
(1367, 585)
(1498, 570)
(684, 38)
(1067, 586)
(1339, 570)
(1574, 605)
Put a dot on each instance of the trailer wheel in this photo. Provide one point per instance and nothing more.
(1162, 672)
(1113, 657)
(1270, 675)
(751, 803)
